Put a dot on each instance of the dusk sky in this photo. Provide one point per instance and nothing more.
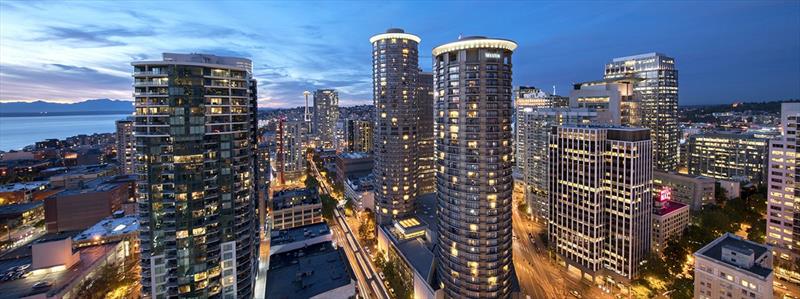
(725, 51)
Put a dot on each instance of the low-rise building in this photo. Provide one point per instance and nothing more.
(731, 267)
(693, 190)
(361, 192)
(22, 214)
(670, 219)
(316, 271)
(353, 165)
(286, 240)
(22, 192)
(80, 208)
(118, 227)
(73, 177)
(295, 207)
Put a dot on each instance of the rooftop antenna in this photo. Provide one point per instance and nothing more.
(554, 89)
(459, 36)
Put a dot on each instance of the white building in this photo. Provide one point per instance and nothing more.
(731, 267)
(783, 203)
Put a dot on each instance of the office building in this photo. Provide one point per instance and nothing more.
(353, 166)
(731, 267)
(326, 114)
(613, 100)
(723, 155)
(474, 153)
(195, 130)
(783, 196)
(655, 89)
(670, 219)
(426, 162)
(358, 135)
(529, 99)
(290, 155)
(533, 131)
(394, 82)
(600, 199)
(295, 207)
(126, 146)
(693, 190)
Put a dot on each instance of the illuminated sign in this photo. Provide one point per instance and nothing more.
(665, 194)
(493, 55)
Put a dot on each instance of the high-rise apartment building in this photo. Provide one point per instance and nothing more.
(600, 199)
(783, 197)
(195, 135)
(426, 162)
(655, 89)
(533, 138)
(394, 80)
(290, 155)
(473, 140)
(126, 149)
(358, 135)
(326, 114)
(725, 155)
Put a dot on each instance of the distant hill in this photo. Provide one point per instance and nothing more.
(96, 106)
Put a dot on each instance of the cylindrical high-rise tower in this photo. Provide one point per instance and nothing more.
(474, 160)
(394, 69)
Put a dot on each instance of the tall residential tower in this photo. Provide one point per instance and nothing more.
(326, 114)
(394, 82)
(195, 138)
(427, 169)
(473, 141)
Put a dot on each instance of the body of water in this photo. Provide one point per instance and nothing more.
(18, 132)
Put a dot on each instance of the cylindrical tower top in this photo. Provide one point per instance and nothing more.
(394, 33)
(472, 42)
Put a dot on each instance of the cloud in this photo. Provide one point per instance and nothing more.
(92, 36)
(59, 82)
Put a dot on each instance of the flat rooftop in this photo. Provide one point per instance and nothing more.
(22, 186)
(417, 250)
(101, 184)
(669, 207)
(291, 197)
(355, 155)
(110, 227)
(16, 209)
(307, 272)
(23, 287)
(713, 251)
(299, 234)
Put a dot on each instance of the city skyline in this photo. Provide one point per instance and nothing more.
(723, 51)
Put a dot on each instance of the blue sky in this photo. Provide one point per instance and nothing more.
(725, 51)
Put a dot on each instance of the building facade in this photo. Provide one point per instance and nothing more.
(358, 135)
(693, 190)
(426, 162)
(394, 79)
(196, 136)
(613, 100)
(326, 114)
(528, 99)
(474, 154)
(290, 155)
(783, 197)
(533, 132)
(656, 91)
(731, 267)
(600, 199)
(729, 156)
(670, 219)
(294, 208)
(126, 149)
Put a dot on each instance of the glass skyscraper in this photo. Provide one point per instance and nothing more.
(194, 126)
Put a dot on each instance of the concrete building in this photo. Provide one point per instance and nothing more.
(600, 200)
(312, 268)
(731, 267)
(80, 208)
(693, 190)
(326, 114)
(655, 90)
(723, 155)
(295, 207)
(15, 193)
(426, 179)
(529, 99)
(783, 197)
(394, 86)
(115, 228)
(613, 100)
(195, 130)
(353, 166)
(358, 135)
(126, 146)
(670, 219)
(362, 192)
(474, 153)
(290, 155)
(533, 132)
(411, 243)
(74, 177)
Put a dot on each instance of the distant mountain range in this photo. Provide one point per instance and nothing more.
(95, 106)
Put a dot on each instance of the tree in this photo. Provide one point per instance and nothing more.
(757, 231)
(328, 205)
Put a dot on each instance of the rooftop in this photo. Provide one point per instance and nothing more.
(16, 209)
(639, 56)
(200, 59)
(14, 187)
(394, 33)
(668, 207)
(299, 234)
(471, 42)
(291, 197)
(111, 226)
(355, 155)
(307, 272)
(729, 241)
(418, 250)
